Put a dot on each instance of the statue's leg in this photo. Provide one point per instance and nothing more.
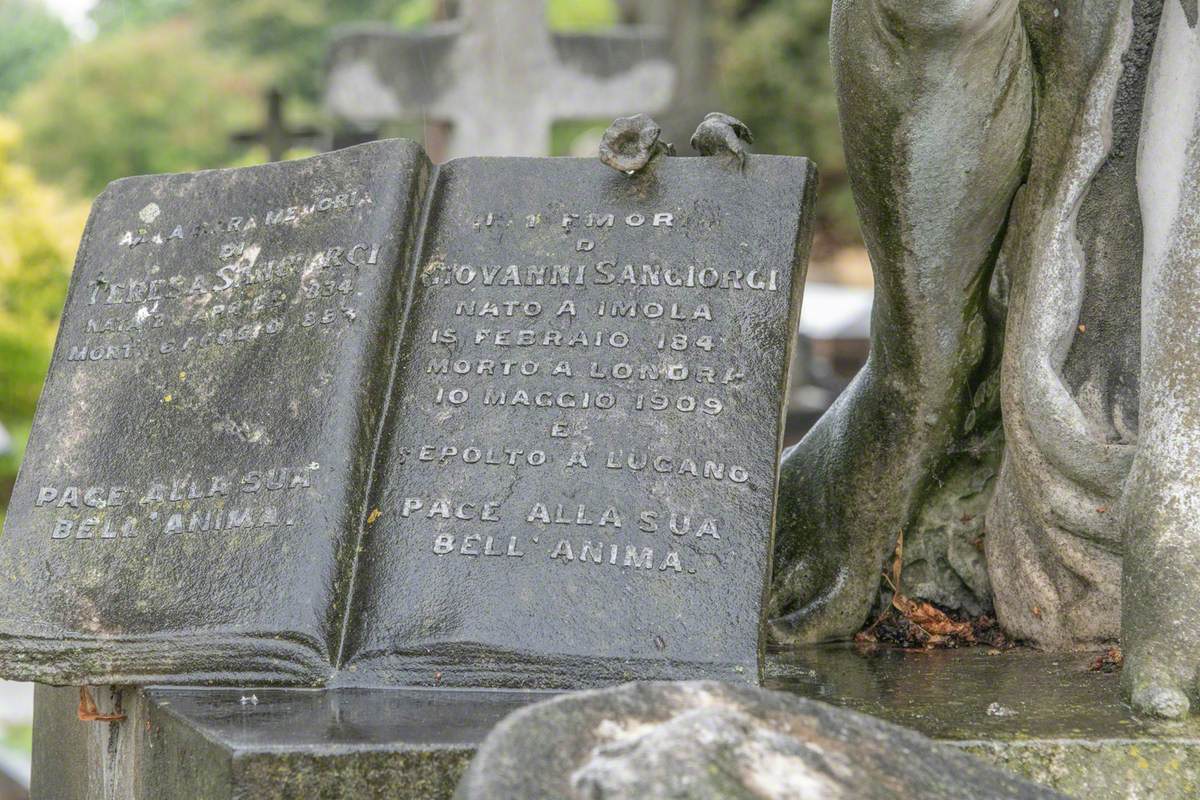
(1160, 620)
(936, 102)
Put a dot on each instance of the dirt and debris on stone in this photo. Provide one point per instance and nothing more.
(997, 710)
(921, 625)
(1111, 660)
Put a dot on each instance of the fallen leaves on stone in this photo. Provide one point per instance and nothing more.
(920, 625)
(1111, 660)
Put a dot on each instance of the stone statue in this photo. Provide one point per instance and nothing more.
(1028, 178)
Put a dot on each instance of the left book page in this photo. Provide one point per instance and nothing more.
(191, 496)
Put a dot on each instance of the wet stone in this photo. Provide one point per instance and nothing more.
(1051, 718)
(1055, 718)
(577, 485)
(709, 741)
(357, 420)
(267, 744)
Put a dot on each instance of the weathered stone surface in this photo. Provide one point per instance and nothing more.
(268, 744)
(943, 553)
(1098, 483)
(925, 405)
(1049, 717)
(1160, 620)
(188, 501)
(360, 420)
(630, 143)
(721, 134)
(625, 532)
(1069, 379)
(705, 741)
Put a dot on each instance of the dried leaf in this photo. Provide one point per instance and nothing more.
(912, 624)
(88, 712)
(1111, 660)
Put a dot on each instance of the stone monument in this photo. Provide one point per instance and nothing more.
(1026, 177)
(276, 135)
(373, 510)
(495, 423)
(502, 422)
(497, 75)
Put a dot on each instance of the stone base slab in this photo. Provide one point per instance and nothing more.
(1047, 717)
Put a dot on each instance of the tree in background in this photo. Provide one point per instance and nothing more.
(775, 75)
(288, 38)
(116, 16)
(581, 15)
(31, 37)
(146, 100)
(39, 231)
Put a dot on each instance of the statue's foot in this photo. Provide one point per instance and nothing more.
(1160, 576)
(821, 605)
(1160, 701)
(1158, 692)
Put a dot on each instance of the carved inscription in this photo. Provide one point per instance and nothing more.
(177, 300)
(576, 353)
(173, 506)
(241, 290)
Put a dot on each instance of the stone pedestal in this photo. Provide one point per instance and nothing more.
(1046, 717)
(10, 789)
(219, 744)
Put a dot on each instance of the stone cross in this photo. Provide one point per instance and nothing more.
(497, 75)
(275, 134)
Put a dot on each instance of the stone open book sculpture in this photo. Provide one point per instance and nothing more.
(360, 420)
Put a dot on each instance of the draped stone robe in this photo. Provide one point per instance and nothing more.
(1036, 339)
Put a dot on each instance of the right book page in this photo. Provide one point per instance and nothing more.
(577, 478)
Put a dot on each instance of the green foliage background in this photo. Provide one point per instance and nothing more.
(30, 38)
(143, 100)
(39, 230)
(115, 16)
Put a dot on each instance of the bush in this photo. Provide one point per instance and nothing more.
(39, 231)
(148, 100)
(31, 37)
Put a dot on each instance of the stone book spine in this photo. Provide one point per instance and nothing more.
(361, 420)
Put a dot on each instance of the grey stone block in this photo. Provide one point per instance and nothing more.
(1046, 717)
